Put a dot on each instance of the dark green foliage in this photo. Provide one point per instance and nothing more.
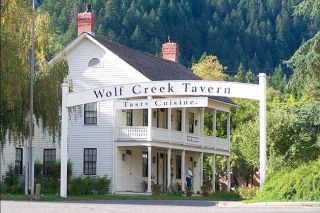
(278, 80)
(257, 33)
(89, 185)
(300, 184)
(48, 176)
(11, 182)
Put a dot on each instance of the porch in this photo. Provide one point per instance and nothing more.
(138, 168)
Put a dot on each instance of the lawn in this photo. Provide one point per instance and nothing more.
(218, 196)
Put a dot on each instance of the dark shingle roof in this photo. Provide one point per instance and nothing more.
(154, 68)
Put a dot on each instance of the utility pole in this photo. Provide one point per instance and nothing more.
(30, 162)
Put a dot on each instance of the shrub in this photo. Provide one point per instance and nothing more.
(302, 183)
(89, 185)
(247, 192)
(157, 189)
(48, 176)
(11, 182)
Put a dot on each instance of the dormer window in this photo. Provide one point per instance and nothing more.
(95, 62)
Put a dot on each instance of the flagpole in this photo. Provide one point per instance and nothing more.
(31, 161)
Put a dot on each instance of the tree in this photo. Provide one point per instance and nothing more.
(279, 80)
(241, 74)
(15, 73)
(209, 68)
(306, 60)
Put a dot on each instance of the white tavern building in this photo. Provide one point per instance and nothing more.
(129, 141)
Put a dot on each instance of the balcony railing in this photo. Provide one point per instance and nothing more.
(131, 133)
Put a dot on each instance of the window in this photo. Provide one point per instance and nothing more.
(178, 167)
(94, 63)
(144, 164)
(19, 160)
(179, 118)
(49, 155)
(145, 117)
(90, 161)
(90, 113)
(191, 122)
(129, 117)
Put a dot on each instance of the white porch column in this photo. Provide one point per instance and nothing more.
(183, 170)
(149, 168)
(201, 169)
(228, 174)
(64, 141)
(214, 123)
(213, 172)
(201, 125)
(228, 128)
(169, 123)
(263, 127)
(183, 124)
(168, 168)
(149, 122)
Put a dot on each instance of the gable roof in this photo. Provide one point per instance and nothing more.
(152, 67)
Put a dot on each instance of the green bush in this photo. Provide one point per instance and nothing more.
(300, 184)
(89, 185)
(48, 176)
(157, 189)
(247, 192)
(11, 182)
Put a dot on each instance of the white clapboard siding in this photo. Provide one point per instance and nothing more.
(112, 70)
(42, 140)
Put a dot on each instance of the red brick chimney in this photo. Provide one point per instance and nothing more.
(86, 21)
(170, 51)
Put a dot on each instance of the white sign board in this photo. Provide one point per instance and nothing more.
(165, 88)
(161, 103)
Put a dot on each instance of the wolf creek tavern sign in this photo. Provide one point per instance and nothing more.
(189, 93)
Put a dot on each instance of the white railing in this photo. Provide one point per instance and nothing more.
(177, 137)
(163, 135)
(217, 143)
(132, 132)
(159, 134)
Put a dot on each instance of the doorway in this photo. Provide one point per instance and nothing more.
(162, 169)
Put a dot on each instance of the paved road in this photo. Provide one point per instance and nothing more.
(118, 206)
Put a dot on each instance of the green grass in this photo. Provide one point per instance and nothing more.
(218, 196)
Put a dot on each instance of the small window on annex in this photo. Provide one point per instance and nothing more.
(95, 62)
(90, 161)
(49, 155)
(144, 164)
(19, 160)
(90, 113)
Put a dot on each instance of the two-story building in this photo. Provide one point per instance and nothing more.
(138, 146)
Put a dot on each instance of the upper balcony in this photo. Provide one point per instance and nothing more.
(179, 126)
(140, 133)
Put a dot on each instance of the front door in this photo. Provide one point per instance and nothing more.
(129, 173)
